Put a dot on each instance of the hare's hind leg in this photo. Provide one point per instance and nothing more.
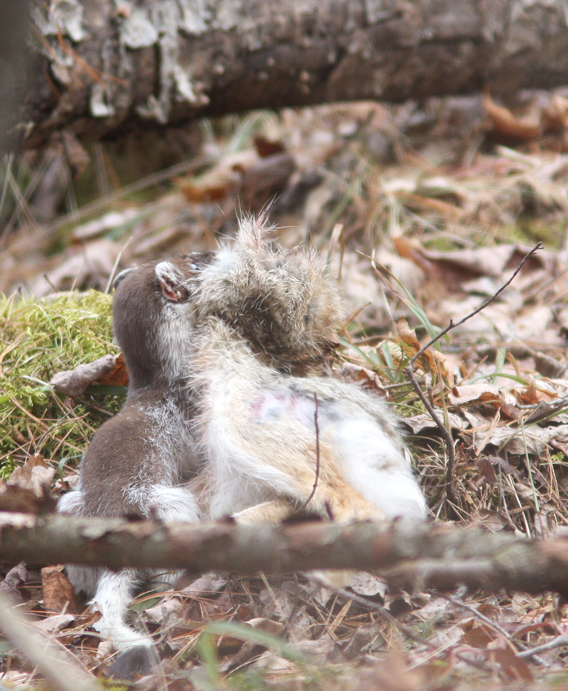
(274, 511)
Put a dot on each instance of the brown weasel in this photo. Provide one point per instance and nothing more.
(137, 461)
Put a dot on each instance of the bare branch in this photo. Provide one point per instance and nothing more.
(407, 554)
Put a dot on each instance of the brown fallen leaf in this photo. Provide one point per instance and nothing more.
(118, 376)
(74, 382)
(267, 174)
(555, 114)
(390, 674)
(473, 393)
(366, 377)
(514, 667)
(462, 269)
(486, 469)
(58, 593)
(477, 635)
(34, 475)
(528, 395)
(407, 335)
(24, 500)
(218, 182)
(504, 122)
(266, 147)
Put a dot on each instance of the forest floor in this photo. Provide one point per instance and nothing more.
(424, 211)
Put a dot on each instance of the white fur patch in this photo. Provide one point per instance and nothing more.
(113, 596)
(174, 504)
(71, 503)
(379, 470)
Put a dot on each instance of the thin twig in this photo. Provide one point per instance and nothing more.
(308, 500)
(444, 431)
(497, 627)
(558, 642)
(392, 620)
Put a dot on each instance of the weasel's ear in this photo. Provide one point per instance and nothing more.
(171, 282)
(123, 274)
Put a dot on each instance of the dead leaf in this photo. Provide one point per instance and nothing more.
(508, 124)
(118, 376)
(514, 667)
(549, 367)
(438, 608)
(503, 464)
(218, 182)
(267, 174)
(74, 382)
(264, 624)
(364, 376)
(205, 586)
(34, 475)
(410, 248)
(367, 585)
(407, 335)
(265, 148)
(474, 393)
(14, 578)
(486, 469)
(58, 593)
(23, 500)
(476, 634)
(391, 674)
(424, 421)
(556, 113)
(528, 395)
(55, 623)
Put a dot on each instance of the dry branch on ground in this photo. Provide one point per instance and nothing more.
(100, 69)
(414, 555)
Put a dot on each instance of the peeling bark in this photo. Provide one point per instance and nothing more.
(406, 554)
(104, 66)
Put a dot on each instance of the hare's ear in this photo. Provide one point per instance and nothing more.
(120, 276)
(171, 282)
(252, 234)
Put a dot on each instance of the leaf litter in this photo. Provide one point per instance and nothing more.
(424, 211)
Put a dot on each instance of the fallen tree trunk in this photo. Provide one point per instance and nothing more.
(406, 554)
(104, 67)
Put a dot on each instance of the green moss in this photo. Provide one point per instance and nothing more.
(38, 339)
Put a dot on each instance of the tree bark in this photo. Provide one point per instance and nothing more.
(417, 555)
(105, 66)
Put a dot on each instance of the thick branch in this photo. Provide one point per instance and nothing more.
(419, 555)
(103, 66)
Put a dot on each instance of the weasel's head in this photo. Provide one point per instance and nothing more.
(153, 317)
(284, 304)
